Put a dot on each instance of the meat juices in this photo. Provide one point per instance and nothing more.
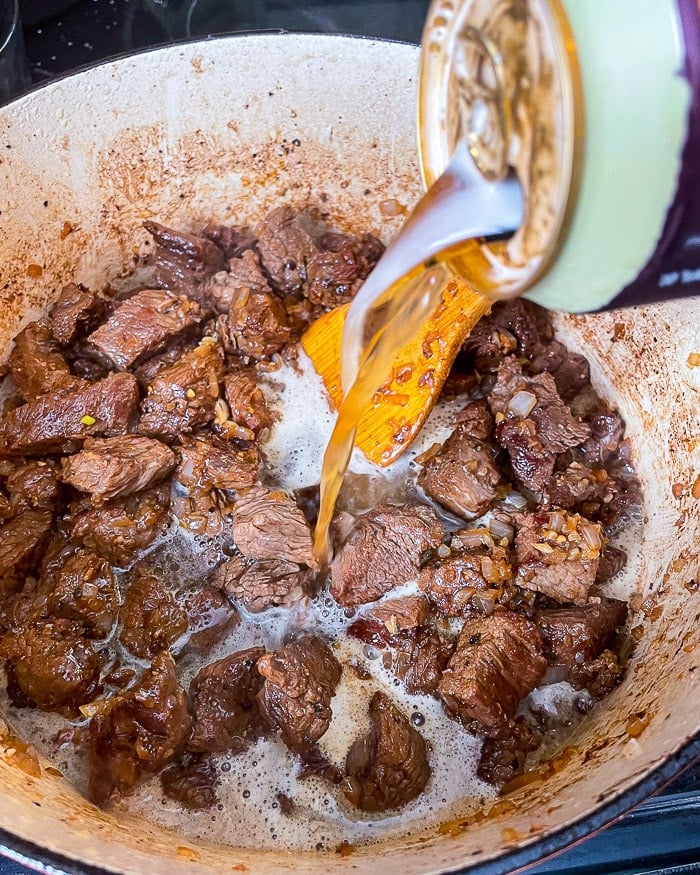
(261, 699)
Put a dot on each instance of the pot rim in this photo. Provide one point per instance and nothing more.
(40, 859)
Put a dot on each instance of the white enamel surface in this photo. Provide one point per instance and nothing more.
(206, 131)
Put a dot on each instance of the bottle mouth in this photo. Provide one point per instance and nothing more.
(502, 78)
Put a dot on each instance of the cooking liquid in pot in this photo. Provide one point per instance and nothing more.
(250, 811)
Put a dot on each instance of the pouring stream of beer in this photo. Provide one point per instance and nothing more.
(401, 292)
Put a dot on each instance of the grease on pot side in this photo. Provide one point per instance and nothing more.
(169, 641)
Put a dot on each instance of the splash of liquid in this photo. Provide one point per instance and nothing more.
(404, 288)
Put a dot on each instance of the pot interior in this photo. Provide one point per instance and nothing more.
(224, 130)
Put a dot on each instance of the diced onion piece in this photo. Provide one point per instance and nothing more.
(522, 403)
(500, 529)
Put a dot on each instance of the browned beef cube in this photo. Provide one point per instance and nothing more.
(557, 554)
(36, 363)
(22, 540)
(75, 311)
(599, 676)
(51, 662)
(451, 583)
(265, 583)
(300, 681)
(508, 328)
(206, 462)
(232, 240)
(122, 529)
(267, 524)
(388, 767)
(607, 432)
(246, 401)
(503, 757)
(144, 324)
(183, 261)
(571, 371)
(498, 660)
(115, 467)
(534, 424)
(147, 727)
(332, 275)
(462, 476)
(477, 420)
(150, 618)
(32, 486)
(578, 483)
(400, 614)
(191, 781)
(285, 245)
(183, 396)
(210, 616)
(429, 659)
(84, 590)
(173, 352)
(383, 550)
(572, 636)
(256, 325)
(55, 421)
(244, 277)
(223, 701)
(612, 561)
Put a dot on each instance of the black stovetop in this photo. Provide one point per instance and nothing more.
(661, 835)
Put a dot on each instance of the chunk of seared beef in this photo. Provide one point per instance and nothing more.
(300, 681)
(246, 401)
(122, 529)
(503, 757)
(388, 767)
(32, 486)
(173, 352)
(57, 421)
(206, 462)
(572, 636)
(579, 485)
(52, 663)
(477, 420)
(210, 616)
(267, 524)
(150, 618)
(462, 476)
(224, 705)
(429, 658)
(607, 432)
(265, 583)
(383, 550)
(508, 328)
(115, 467)
(37, 364)
(191, 781)
(400, 614)
(84, 590)
(498, 660)
(232, 240)
(599, 676)
(183, 396)
(146, 727)
(285, 246)
(227, 289)
(612, 561)
(75, 312)
(22, 540)
(557, 554)
(451, 583)
(183, 261)
(145, 324)
(571, 371)
(256, 325)
(534, 424)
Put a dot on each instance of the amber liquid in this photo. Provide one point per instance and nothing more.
(399, 296)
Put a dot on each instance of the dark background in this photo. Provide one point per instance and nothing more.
(663, 834)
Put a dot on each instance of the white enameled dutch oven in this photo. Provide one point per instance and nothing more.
(223, 130)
